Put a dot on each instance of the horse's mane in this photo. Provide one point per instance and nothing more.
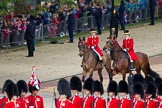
(119, 49)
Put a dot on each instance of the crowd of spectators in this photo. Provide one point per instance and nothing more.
(52, 21)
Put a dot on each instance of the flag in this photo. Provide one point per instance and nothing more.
(34, 82)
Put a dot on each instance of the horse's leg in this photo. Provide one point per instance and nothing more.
(91, 73)
(100, 75)
(124, 74)
(109, 71)
(84, 75)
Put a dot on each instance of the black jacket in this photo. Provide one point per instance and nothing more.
(30, 31)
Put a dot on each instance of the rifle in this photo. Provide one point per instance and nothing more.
(82, 99)
(54, 98)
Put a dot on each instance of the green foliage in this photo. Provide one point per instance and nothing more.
(70, 3)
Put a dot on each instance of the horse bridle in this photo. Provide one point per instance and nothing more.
(83, 43)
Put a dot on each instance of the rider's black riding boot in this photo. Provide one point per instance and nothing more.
(131, 67)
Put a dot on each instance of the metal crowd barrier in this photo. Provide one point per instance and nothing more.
(82, 24)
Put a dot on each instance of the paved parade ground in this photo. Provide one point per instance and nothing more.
(55, 61)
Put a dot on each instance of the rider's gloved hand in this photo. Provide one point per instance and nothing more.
(125, 50)
(92, 47)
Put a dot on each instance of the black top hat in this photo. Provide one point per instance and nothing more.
(22, 86)
(138, 89)
(63, 87)
(112, 87)
(138, 78)
(11, 90)
(123, 86)
(126, 32)
(88, 84)
(92, 30)
(76, 83)
(151, 89)
(98, 87)
(6, 83)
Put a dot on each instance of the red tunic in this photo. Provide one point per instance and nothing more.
(128, 44)
(138, 104)
(125, 103)
(160, 105)
(100, 103)
(77, 101)
(94, 41)
(23, 102)
(11, 104)
(64, 104)
(88, 102)
(151, 103)
(113, 103)
(3, 101)
(36, 101)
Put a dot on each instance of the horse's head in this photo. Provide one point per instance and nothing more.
(82, 46)
(110, 45)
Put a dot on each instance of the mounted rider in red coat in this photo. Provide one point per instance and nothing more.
(128, 44)
(92, 42)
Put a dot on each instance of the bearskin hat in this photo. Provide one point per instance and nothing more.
(88, 84)
(98, 87)
(123, 86)
(138, 78)
(22, 86)
(63, 87)
(147, 80)
(11, 90)
(151, 89)
(138, 89)
(112, 87)
(76, 83)
(158, 81)
(6, 83)
(160, 90)
(34, 87)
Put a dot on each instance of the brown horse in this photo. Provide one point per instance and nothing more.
(90, 63)
(121, 60)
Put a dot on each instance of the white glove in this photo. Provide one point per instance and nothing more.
(125, 50)
(92, 47)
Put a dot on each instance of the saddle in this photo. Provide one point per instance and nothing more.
(95, 56)
(127, 56)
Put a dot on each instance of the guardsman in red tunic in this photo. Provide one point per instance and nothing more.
(23, 89)
(160, 95)
(12, 93)
(138, 95)
(76, 87)
(123, 92)
(92, 42)
(88, 99)
(4, 99)
(63, 88)
(150, 95)
(35, 101)
(99, 101)
(112, 92)
(128, 44)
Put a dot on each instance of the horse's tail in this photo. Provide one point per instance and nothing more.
(152, 73)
